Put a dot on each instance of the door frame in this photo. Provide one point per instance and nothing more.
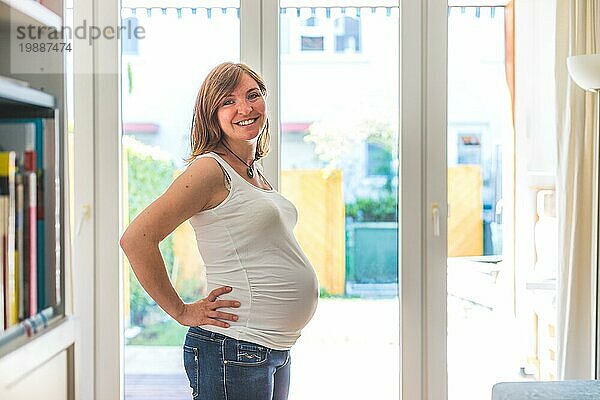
(97, 182)
(423, 168)
(423, 200)
(411, 206)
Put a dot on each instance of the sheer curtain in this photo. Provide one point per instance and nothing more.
(577, 32)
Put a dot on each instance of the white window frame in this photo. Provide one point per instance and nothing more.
(97, 267)
(423, 199)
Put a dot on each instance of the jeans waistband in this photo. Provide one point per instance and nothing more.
(203, 332)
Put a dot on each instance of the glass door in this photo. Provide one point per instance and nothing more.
(339, 74)
(501, 271)
(482, 328)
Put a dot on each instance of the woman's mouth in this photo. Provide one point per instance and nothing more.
(246, 122)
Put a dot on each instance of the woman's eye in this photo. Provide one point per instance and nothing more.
(227, 102)
(254, 95)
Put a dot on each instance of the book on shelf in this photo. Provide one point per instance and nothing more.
(30, 233)
(46, 278)
(26, 136)
(19, 267)
(3, 277)
(19, 136)
(8, 195)
(26, 227)
(27, 284)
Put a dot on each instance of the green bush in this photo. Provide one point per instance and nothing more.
(149, 175)
(373, 210)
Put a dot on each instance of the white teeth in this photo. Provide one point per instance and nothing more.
(246, 122)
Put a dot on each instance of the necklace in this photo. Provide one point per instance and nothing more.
(249, 168)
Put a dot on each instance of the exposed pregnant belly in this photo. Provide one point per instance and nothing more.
(274, 298)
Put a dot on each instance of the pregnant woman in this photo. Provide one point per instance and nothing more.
(262, 288)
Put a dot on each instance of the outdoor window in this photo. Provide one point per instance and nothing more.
(339, 166)
(155, 141)
(468, 148)
(129, 39)
(379, 160)
(312, 21)
(347, 34)
(312, 43)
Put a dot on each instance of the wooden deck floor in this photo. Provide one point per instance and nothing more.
(157, 387)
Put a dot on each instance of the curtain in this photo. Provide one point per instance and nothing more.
(577, 32)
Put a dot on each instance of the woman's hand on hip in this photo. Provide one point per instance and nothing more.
(204, 312)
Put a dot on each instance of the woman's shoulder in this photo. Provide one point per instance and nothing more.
(203, 156)
(206, 159)
(206, 163)
(207, 168)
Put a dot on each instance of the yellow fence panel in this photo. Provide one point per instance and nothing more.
(317, 194)
(188, 264)
(465, 226)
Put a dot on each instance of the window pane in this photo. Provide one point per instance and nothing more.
(161, 75)
(494, 331)
(339, 161)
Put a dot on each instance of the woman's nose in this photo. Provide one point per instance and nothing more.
(244, 107)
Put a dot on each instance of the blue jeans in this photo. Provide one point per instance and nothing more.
(222, 368)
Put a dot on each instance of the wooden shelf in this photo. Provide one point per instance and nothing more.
(27, 330)
(14, 93)
(37, 351)
(25, 12)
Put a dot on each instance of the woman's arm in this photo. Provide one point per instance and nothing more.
(192, 191)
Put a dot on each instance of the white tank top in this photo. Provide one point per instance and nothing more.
(247, 242)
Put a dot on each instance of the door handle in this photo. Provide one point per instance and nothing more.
(85, 214)
(435, 215)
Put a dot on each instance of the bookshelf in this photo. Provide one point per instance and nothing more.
(37, 336)
(28, 11)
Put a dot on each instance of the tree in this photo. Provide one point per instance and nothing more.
(339, 142)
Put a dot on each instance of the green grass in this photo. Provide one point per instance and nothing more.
(168, 333)
(324, 294)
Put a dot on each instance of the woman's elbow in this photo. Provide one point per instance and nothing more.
(135, 238)
(126, 240)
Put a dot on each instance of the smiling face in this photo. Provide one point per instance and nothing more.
(242, 114)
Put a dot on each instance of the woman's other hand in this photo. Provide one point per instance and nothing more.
(204, 312)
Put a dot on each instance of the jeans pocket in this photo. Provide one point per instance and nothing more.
(190, 363)
(247, 353)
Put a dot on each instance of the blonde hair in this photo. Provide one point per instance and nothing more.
(206, 134)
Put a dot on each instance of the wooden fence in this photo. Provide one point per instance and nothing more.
(465, 225)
